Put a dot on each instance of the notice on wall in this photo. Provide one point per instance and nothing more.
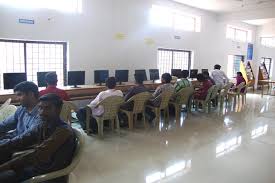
(149, 41)
(120, 36)
(250, 52)
(26, 21)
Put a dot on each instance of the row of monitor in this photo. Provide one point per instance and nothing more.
(78, 77)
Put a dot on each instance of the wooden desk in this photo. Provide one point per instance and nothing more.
(265, 82)
(82, 93)
(86, 91)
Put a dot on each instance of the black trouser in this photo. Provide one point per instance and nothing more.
(81, 115)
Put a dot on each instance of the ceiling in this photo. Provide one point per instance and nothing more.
(229, 6)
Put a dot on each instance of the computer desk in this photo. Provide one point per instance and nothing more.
(86, 91)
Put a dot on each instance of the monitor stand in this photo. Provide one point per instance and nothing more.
(75, 86)
(120, 83)
(153, 81)
(99, 84)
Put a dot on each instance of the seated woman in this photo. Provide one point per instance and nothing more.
(206, 75)
(205, 84)
(98, 110)
(239, 79)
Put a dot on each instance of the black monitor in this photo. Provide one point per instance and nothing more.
(12, 79)
(76, 78)
(193, 73)
(121, 75)
(185, 73)
(143, 72)
(204, 70)
(41, 80)
(154, 74)
(176, 72)
(100, 76)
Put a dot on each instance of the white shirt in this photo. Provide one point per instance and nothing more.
(219, 77)
(98, 111)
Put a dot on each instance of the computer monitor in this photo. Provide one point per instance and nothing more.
(193, 73)
(100, 76)
(41, 80)
(143, 72)
(185, 73)
(176, 72)
(204, 70)
(12, 79)
(154, 74)
(76, 78)
(122, 75)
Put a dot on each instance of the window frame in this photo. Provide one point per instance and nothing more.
(176, 50)
(25, 42)
(235, 29)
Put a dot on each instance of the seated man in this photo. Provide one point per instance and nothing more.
(219, 76)
(138, 88)
(205, 84)
(99, 110)
(54, 150)
(166, 86)
(26, 116)
(183, 82)
(51, 80)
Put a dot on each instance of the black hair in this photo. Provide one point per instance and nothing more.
(206, 74)
(217, 66)
(200, 77)
(166, 77)
(51, 78)
(111, 82)
(52, 98)
(139, 78)
(26, 87)
(239, 73)
(185, 73)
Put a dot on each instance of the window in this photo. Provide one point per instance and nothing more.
(234, 62)
(167, 17)
(268, 41)
(32, 57)
(74, 6)
(173, 59)
(268, 64)
(238, 34)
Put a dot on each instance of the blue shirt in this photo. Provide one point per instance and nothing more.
(21, 122)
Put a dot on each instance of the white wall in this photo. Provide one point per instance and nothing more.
(91, 35)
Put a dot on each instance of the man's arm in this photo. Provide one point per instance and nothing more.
(95, 101)
(41, 153)
(157, 92)
(24, 140)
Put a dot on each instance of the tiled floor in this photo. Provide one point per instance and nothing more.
(233, 145)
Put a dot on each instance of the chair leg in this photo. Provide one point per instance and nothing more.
(144, 120)
(167, 114)
(117, 125)
(177, 112)
(113, 124)
(100, 128)
(157, 112)
(130, 120)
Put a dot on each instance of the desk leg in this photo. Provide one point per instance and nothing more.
(262, 90)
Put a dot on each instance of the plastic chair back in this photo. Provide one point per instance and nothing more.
(111, 107)
(6, 103)
(7, 111)
(139, 101)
